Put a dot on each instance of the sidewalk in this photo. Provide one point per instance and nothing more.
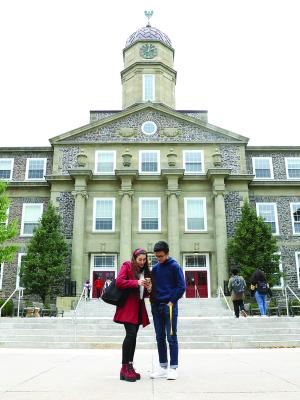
(263, 374)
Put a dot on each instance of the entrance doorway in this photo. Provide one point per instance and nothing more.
(102, 267)
(197, 277)
(196, 284)
(102, 275)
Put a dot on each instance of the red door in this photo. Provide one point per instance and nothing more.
(196, 284)
(103, 275)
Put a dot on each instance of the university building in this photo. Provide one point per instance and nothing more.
(151, 172)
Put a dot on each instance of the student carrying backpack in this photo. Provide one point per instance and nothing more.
(237, 287)
(260, 288)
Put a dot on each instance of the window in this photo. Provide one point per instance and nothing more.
(105, 162)
(105, 262)
(193, 161)
(292, 165)
(279, 284)
(195, 214)
(148, 87)
(297, 255)
(6, 168)
(104, 215)
(149, 214)
(1, 274)
(31, 215)
(195, 261)
(20, 261)
(152, 260)
(149, 128)
(262, 167)
(35, 168)
(268, 211)
(149, 162)
(295, 211)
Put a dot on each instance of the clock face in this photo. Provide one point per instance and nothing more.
(148, 50)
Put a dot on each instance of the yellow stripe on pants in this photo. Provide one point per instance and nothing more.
(171, 316)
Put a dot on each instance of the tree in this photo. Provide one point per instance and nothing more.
(8, 230)
(254, 247)
(44, 265)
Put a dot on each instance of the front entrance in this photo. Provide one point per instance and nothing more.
(196, 284)
(196, 272)
(98, 286)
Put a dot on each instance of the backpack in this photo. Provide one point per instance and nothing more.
(262, 287)
(238, 285)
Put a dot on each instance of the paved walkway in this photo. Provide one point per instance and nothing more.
(266, 374)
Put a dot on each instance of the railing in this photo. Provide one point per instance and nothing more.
(220, 295)
(78, 303)
(286, 298)
(17, 289)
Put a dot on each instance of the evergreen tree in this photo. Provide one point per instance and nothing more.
(43, 269)
(254, 247)
(8, 230)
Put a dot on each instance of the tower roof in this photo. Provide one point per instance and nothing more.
(148, 33)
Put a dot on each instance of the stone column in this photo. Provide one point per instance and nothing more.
(78, 238)
(125, 227)
(221, 237)
(173, 224)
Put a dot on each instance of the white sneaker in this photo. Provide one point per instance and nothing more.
(160, 373)
(172, 374)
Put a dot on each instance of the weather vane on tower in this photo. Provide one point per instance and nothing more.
(148, 15)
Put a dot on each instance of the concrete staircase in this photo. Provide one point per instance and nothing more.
(203, 323)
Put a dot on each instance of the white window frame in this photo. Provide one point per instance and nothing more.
(1, 274)
(270, 166)
(113, 215)
(11, 168)
(286, 167)
(153, 87)
(20, 255)
(114, 162)
(292, 216)
(297, 256)
(184, 153)
(186, 199)
(207, 268)
(158, 211)
(281, 278)
(25, 205)
(275, 212)
(141, 152)
(27, 169)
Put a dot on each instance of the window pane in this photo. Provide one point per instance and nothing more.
(5, 169)
(293, 167)
(105, 162)
(195, 261)
(148, 87)
(193, 162)
(149, 162)
(262, 168)
(149, 215)
(29, 228)
(267, 211)
(32, 213)
(36, 169)
(296, 217)
(195, 215)
(104, 261)
(104, 217)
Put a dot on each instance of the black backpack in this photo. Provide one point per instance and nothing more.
(238, 285)
(262, 287)
(113, 295)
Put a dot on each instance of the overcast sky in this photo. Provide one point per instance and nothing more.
(238, 59)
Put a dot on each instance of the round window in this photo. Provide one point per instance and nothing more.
(149, 128)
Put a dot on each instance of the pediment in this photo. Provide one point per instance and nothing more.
(172, 127)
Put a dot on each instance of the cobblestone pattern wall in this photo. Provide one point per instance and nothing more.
(67, 159)
(20, 158)
(278, 161)
(183, 132)
(288, 244)
(10, 269)
(66, 211)
(231, 158)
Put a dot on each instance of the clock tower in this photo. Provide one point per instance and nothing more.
(148, 73)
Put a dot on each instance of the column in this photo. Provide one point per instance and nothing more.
(221, 237)
(125, 228)
(78, 238)
(173, 224)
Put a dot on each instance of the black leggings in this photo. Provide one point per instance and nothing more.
(129, 343)
(237, 305)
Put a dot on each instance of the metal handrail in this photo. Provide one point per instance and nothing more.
(17, 289)
(286, 298)
(77, 305)
(221, 293)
